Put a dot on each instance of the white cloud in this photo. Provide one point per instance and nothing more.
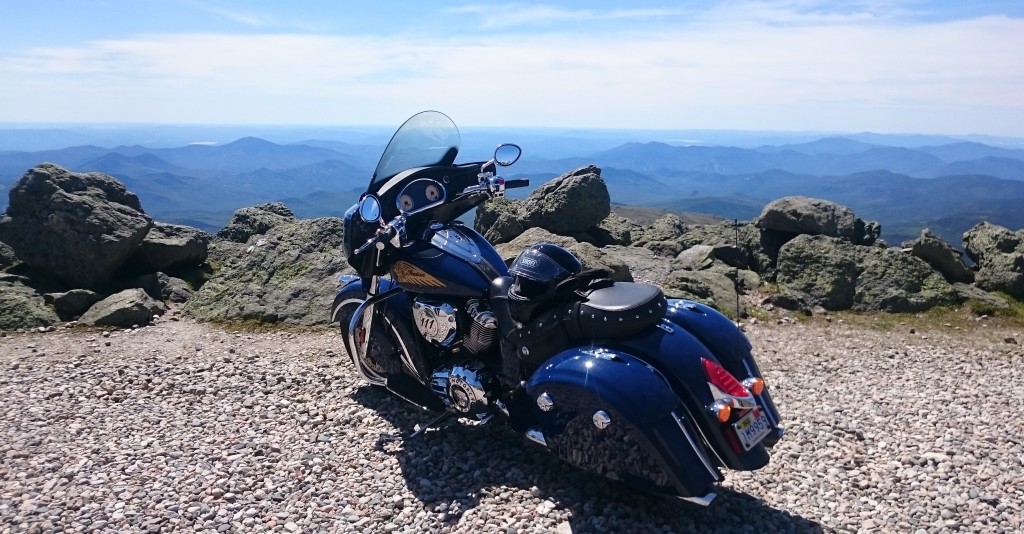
(952, 77)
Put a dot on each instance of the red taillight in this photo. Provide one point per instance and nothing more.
(721, 379)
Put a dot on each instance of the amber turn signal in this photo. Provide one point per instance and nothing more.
(722, 411)
(755, 385)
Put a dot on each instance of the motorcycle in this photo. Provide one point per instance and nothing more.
(662, 394)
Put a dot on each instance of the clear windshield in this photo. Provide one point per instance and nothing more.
(428, 138)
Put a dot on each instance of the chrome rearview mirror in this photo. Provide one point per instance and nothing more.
(506, 154)
(369, 209)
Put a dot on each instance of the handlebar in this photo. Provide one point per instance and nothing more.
(520, 182)
(393, 231)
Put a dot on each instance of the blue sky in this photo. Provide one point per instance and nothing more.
(797, 65)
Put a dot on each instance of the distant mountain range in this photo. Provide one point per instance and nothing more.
(948, 186)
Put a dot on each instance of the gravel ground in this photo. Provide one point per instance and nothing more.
(184, 427)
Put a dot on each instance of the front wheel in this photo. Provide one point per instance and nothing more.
(392, 347)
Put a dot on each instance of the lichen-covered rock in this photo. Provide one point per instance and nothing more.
(839, 275)
(21, 306)
(571, 203)
(803, 215)
(71, 304)
(613, 230)
(255, 220)
(715, 289)
(668, 228)
(590, 256)
(124, 309)
(941, 256)
(289, 275)
(999, 253)
(78, 227)
(498, 220)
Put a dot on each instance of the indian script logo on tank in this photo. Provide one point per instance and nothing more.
(407, 273)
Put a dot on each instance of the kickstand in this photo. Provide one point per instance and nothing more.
(440, 419)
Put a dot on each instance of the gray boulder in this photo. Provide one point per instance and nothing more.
(571, 203)
(7, 256)
(643, 264)
(803, 215)
(590, 256)
(941, 256)
(696, 258)
(668, 228)
(967, 293)
(838, 275)
(255, 220)
(71, 304)
(125, 309)
(714, 288)
(163, 287)
(287, 275)
(78, 227)
(999, 254)
(737, 245)
(170, 246)
(21, 306)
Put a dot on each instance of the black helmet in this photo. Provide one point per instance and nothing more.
(537, 271)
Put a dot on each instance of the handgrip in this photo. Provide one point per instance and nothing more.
(520, 182)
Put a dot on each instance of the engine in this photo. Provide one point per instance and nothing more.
(438, 322)
(463, 388)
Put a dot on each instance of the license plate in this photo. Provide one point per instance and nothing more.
(752, 428)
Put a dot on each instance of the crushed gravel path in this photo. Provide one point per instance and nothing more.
(186, 427)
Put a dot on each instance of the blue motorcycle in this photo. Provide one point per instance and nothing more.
(662, 394)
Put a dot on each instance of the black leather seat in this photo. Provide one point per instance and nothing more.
(620, 310)
(611, 312)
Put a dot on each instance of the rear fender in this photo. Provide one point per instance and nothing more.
(676, 352)
(610, 413)
(729, 344)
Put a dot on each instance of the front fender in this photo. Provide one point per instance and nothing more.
(609, 412)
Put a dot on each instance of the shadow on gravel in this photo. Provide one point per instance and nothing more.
(454, 469)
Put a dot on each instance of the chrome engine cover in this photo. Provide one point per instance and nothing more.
(463, 388)
(436, 321)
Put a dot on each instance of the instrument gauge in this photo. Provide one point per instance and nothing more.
(433, 193)
(406, 203)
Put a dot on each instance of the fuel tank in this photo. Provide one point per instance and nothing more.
(452, 259)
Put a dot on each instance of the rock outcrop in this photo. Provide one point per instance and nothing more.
(811, 216)
(941, 256)
(839, 275)
(571, 204)
(78, 227)
(999, 254)
(81, 247)
(255, 220)
(288, 275)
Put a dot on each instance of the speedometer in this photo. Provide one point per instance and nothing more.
(406, 203)
(433, 193)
